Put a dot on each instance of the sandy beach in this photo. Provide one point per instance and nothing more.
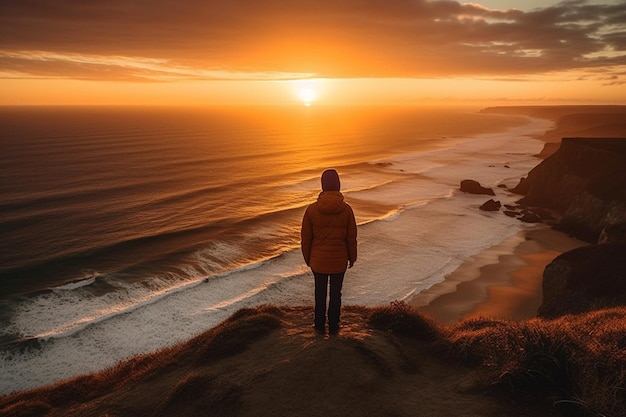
(503, 281)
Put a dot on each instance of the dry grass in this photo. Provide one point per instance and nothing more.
(574, 365)
(229, 338)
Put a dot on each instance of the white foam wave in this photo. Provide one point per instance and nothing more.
(71, 308)
(76, 284)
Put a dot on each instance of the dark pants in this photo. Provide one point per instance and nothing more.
(334, 305)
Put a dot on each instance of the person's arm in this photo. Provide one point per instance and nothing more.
(306, 237)
(351, 238)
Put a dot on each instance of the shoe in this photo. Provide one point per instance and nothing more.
(333, 330)
(320, 329)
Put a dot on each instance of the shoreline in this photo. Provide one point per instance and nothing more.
(503, 282)
(500, 281)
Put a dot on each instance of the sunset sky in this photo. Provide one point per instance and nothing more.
(353, 51)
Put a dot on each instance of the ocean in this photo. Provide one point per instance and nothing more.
(128, 229)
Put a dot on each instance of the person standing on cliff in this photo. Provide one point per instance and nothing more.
(329, 246)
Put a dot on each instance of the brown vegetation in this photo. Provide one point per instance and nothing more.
(388, 361)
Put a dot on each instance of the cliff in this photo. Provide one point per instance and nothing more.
(584, 279)
(572, 121)
(584, 182)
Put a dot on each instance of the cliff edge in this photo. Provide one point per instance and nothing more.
(584, 279)
(584, 182)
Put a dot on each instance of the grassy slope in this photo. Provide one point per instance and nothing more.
(387, 361)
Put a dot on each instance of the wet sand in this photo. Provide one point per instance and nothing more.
(504, 281)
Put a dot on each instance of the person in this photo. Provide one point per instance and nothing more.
(329, 247)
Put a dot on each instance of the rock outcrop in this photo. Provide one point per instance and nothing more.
(584, 182)
(613, 233)
(585, 279)
(549, 148)
(474, 187)
(491, 205)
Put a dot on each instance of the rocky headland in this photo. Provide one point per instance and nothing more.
(584, 182)
(572, 121)
(585, 279)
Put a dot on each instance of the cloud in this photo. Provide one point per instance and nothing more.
(159, 40)
(43, 64)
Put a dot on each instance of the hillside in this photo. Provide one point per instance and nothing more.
(387, 361)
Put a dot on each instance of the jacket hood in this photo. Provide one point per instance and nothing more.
(330, 202)
(330, 180)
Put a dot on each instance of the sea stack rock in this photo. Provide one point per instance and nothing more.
(491, 205)
(530, 218)
(474, 187)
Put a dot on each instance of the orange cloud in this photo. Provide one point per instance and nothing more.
(159, 40)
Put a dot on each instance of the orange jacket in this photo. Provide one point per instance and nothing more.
(329, 234)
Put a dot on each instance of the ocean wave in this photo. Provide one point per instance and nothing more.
(77, 284)
(71, 308)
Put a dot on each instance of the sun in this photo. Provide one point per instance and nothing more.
(307, 91)
(307, 95)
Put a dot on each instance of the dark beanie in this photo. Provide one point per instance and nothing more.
(330, 180)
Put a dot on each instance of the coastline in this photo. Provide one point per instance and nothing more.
(503, 281)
